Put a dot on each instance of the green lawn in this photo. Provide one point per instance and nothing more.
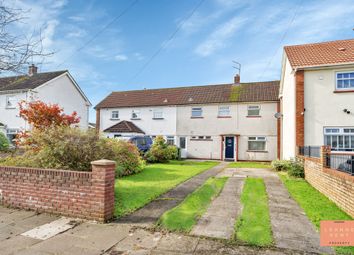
(133, 192)
(316, 206)
(184, 216)
(253, 226)
(249, 165)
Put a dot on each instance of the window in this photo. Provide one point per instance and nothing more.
(10, 101)
(345, 81)
(136, 114)
(201, 138)
(340, 139)
(170, 140)
(253, 110)
(158, 113)
(115, 115)
(256, 143)
(197, 112)
(182, 142)
(224, 111)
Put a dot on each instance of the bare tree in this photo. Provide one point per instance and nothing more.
(16, 49)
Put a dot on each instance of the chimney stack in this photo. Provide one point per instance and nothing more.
(237, 79)
(32, 69)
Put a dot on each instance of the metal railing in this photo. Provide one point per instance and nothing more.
(340, 162)
(310, 151)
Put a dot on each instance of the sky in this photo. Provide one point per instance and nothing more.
(135, 44)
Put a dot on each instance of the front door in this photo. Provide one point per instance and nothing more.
(183, 146)
(229, 147)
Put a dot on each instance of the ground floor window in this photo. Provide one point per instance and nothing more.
(256, 143)
(170, 140)
(339, 138)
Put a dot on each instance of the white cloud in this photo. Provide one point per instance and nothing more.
(121, 57)
(77, 33)
(218, 39)
(139, 56)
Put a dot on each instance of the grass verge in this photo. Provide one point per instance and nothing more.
(183, 217)
(249, 165)
(135, 191)
(253, 226)
(316, 206)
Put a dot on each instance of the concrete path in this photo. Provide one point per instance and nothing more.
(219, 220)
(149, 214)
(290, 225)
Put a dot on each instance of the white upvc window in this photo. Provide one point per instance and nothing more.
(136, 114)
(197, 112)
(253, 110)
(158, 113)
(170, 140)
(11, 101)
(345, 80)
(257, 143)
(224, 111)
(339, 138)
(115, 115)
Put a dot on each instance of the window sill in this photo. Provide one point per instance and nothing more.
(253, 116)
(344, 91)
(114, 119)
(158, 118)
(8, 107)
(197, 117)
(257, 151)
(135, 119)
(224, 117)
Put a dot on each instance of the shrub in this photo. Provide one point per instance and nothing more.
(71, 148)
(281, 165)
(4, 143)
(296, 168)
(161, 152)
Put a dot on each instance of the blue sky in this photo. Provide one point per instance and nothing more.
(250, 32)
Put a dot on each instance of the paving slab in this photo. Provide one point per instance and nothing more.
(291, 228)
(149, 214)
(220, 217)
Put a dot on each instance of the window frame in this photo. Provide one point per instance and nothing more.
(193, 111)
(343, 79)
(137, 112)
(155, 111)
(170, 138)
(257, 139)
(115, 118)
(228, 111)
(253, 115)
(340, 136)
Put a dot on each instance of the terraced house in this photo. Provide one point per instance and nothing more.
(226, 121)
(317, 96)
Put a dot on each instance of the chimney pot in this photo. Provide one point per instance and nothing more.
(32, 69)
(237, 79)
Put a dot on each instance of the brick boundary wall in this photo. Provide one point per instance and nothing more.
(88, 195)
(337, 186)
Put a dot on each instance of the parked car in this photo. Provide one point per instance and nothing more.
(142, 142)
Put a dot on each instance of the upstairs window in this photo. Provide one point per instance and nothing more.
(224, 111)
(345, 81)
(256, 143)
(115, 115)
(253, 110)
(158, 113)
(11, 101)
(197, 112)
(135, 114)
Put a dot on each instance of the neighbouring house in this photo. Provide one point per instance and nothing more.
(317, 96)
(57, 87)
(227, 121)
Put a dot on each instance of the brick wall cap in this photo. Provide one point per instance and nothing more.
(103, 162)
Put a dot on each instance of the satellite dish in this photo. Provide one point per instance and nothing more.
(278, 115)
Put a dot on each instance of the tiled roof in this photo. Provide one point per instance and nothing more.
(25, 82)
(124, 127)
(223, 93)
(319, 54)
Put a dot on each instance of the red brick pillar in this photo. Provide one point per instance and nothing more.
(324, 151)
(103, 179)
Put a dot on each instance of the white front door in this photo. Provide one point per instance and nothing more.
(183, 146)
